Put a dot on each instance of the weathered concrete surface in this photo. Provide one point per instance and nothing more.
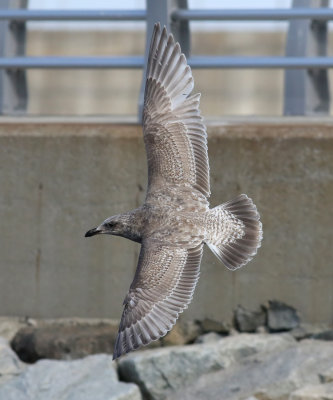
(60, 177)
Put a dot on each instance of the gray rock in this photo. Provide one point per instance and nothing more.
(327, 376)
(9, 326)
(281, 317)
(314, 392)
(64, 341)
(325, 335)
(211, 325)
(252, 398)
(262, 329)
(305, 331)
(92, 378)
(249, 321)
(168, 369)
(210, 337)
(182, 333)
(268, 375)
(10, 365)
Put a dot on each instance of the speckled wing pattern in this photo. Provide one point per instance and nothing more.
(162, 288)
(176, 147)
(174, 134)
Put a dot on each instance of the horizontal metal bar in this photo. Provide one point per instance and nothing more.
(138, 62)
(261, 62)
(73, 15)
(71, 62)
(180, 14)
(253, 14)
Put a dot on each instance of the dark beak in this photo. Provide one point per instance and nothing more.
(92, 232)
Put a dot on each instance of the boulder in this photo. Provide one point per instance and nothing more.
(9, 326)
(91, 378)
(314, 392)
(268, 375)
(164, 370)
(10, 365)
(182, 333)
(211, 325)
(327, 376)
(210, 337)
(249, 321)
(305, 330)
(281, 317)
(324, 335)
(63, 341)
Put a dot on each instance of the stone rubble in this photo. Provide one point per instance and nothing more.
(314, 392)
(59, 341)
(10, 364)
(249, 321)
(169, 369)
(200, 360)
(281, 317)
(91, 378)
(267, 375)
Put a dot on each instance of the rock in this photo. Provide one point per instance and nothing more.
(268, 375)
(262, 329)
(10, 365)
(211, 325)
(164, 370)
(327, 376)
(92, 378)
(281, 317)
(63, 341)
(251, 398)
(210, 337)
(305, 331)
(314, 392)
(249, 321)
(182, 333)
(326, 335)
(9, 326)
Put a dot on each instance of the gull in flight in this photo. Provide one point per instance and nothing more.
(175, 220)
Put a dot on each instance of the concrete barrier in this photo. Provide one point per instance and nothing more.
(60, 177)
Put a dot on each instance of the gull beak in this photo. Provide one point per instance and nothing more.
(92, 232)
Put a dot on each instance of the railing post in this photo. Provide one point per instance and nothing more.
(161, 11)
(306, 92)
(13, 86)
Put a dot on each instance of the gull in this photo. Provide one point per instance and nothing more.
(175, 220)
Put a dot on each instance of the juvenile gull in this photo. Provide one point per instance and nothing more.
(175, 220)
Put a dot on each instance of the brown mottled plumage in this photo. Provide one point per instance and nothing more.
(175, 220)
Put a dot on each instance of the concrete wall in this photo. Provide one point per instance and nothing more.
(60, 177)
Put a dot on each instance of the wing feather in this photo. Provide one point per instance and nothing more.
(162, 288)
(174, 133)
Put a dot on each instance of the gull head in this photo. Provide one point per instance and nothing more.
(111, 226)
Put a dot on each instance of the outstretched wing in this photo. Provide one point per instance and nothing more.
(162, 288)
(174, 134)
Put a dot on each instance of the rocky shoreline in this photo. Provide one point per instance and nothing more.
(267, 354)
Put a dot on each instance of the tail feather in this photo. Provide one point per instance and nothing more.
(239, 232)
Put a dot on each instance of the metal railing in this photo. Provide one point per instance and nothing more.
(306, 63)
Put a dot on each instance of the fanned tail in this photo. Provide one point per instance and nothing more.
(237, 233)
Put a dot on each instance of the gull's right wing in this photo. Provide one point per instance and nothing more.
(174, 134)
